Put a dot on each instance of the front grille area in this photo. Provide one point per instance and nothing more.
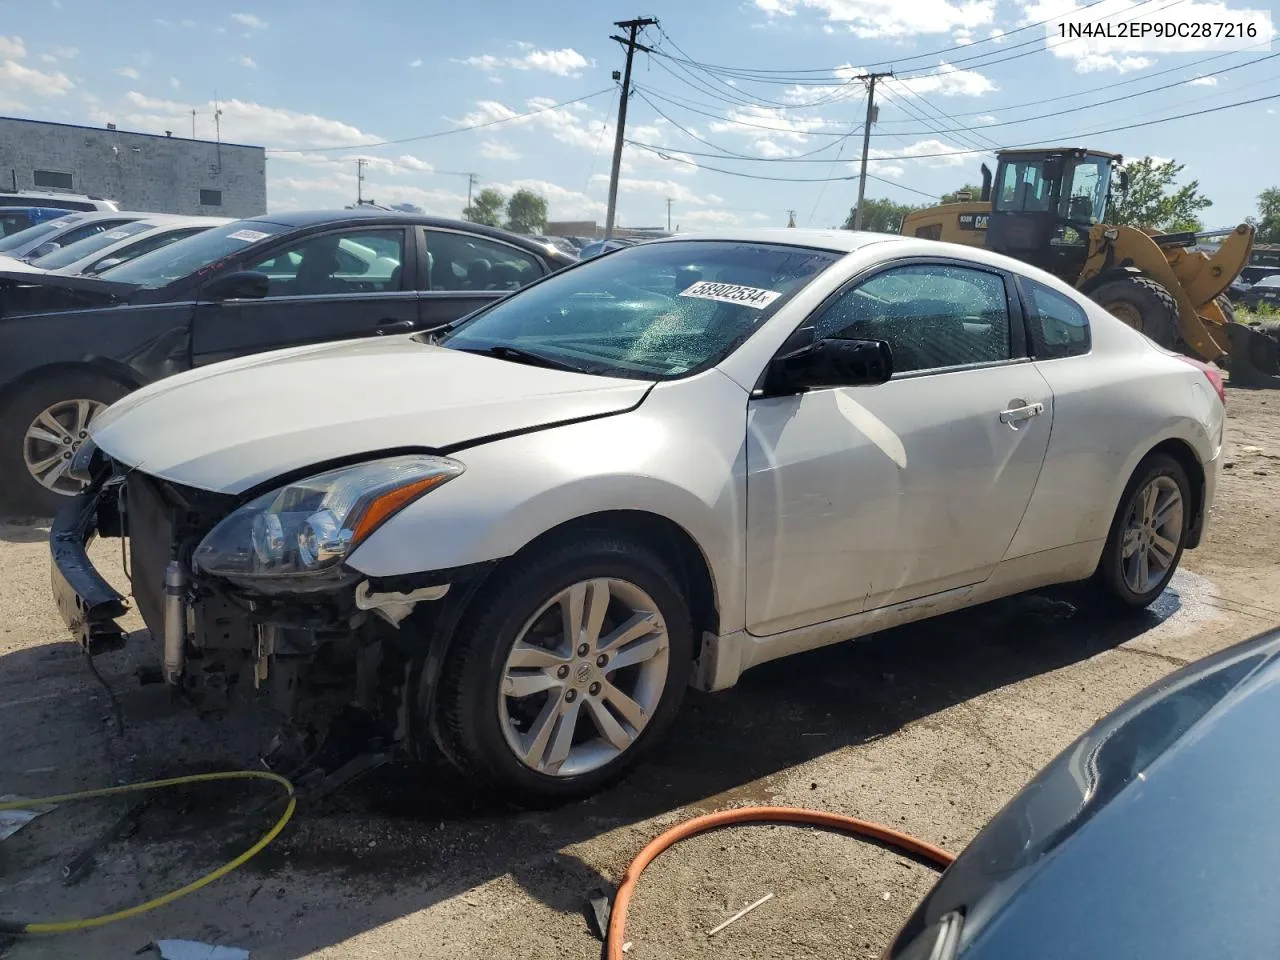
(159, 518)
(149, 524)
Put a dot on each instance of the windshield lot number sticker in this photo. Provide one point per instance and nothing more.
(248, 236)
(753, 297)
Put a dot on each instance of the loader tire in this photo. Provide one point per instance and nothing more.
(1144, 304)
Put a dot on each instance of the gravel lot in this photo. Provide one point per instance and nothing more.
(929, 728)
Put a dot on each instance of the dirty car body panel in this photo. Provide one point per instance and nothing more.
(644, 401)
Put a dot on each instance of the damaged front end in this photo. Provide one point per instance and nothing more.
(250, 597)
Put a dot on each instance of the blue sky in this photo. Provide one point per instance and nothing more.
(294, 75)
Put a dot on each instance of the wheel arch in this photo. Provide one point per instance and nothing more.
(97, 367)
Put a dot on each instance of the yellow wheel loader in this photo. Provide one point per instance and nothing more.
(1047, 207)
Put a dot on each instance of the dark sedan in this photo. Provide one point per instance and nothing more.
(70, 346)
(1153, 835)
(1263, 294)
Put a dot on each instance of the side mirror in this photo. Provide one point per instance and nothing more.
(106, 264)
(831, 362)
(237, 285)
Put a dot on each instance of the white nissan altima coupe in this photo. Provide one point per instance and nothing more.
(521, 538)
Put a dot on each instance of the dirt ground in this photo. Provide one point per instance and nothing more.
(929, 728)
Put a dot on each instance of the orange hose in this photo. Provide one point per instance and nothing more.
(691, 828)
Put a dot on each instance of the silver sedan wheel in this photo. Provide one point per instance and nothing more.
(52, 440)
(584, 677)
(1152, 532)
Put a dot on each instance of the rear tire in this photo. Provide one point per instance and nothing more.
(1147, 534)
(1226, 306)
(40, 429)
(515, 671)
(1144, 304)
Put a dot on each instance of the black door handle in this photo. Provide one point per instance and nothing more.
(394, 326)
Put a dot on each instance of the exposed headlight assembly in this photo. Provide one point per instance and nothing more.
(296, 537)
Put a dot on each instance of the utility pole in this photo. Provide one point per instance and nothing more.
(669, 202)
(871, 79)
(791, 218)
(360, 165)
(193, 124)
(472, 178)
(633, 28)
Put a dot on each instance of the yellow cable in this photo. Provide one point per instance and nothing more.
(66, 926)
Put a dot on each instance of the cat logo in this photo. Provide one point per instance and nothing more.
(974, 221)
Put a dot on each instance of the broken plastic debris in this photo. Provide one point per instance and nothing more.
(194, 950)
(740, 914)
(11, 821)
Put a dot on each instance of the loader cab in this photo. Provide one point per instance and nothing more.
(1044, 202)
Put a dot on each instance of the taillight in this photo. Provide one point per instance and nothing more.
(1212, 373)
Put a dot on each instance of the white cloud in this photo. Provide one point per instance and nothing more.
(996, 35)
(413, 163)
(252, 21)
(1125, 54)
(986, 118)
(1204, 82)
(947, 80)
(127, 72)
(243, 122)
(562, 203)
(919, 152)
(777, 122)
(661, 188)
(245, 61)
(866, 19)
(173, 83)
(416, 63)
(962, 38)
(15, 79)
(709, 216)
(12, 48)
(565, 62)
(494, 150)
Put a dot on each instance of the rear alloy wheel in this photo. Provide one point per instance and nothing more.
(575, 662)
(1148, 533)
(41, 429)
(1144, 304)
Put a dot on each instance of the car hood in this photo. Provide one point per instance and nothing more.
(228, 427)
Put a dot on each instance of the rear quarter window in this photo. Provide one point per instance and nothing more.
(1059, 326)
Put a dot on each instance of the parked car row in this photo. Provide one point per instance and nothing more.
(78, 332)
(16, 219)
(520, 536)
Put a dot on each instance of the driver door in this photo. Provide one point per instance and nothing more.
(328, 286)
(863, 497)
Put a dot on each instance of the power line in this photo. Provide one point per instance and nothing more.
(441, 133)
(632, 44)
(918, 56)
(652, 148)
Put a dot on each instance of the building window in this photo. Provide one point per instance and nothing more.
(210, 198)
(51, 178)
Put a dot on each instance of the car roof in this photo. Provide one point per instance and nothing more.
(838, 241)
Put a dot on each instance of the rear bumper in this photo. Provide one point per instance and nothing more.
(89, 605)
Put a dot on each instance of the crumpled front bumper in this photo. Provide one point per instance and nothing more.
(89, 605)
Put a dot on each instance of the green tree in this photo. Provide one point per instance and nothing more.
(1154, 199)
(486, 208)
(526, 212)
(1267, 221)
(975, 193)
(880, 216)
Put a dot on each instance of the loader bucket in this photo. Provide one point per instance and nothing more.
(1254, 358)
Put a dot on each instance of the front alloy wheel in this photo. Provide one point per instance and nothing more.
(570, 663)
(584, 677)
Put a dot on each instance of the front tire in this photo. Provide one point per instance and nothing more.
(1144, 304)
(1147, 534)
(574, 664)
(41, 429)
